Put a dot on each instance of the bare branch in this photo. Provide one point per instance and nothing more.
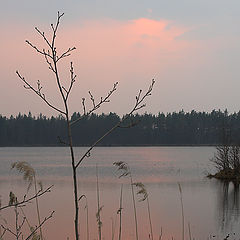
(84, 107)
(21, 225)
(106, 99)
(139, 100)
(64, 89)
(44, 37)
(94, 144)
(1, 236)
(45, 219)
(92, 100)
(54, 29)
(73, 79)
(66, 53)
(38, 92)
(8, 230)
(26, 200)
(48, 62)
(38, 50)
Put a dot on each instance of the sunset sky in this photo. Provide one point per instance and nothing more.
(190, 47)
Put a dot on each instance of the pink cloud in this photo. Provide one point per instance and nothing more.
(131, 52)
(140, 44)
(109, 36)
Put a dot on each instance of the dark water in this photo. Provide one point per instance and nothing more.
(211, 208)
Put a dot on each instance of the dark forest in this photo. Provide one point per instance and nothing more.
(177, 128)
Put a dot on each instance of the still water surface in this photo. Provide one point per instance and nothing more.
(211, 208)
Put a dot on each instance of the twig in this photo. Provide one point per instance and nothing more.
(1, 236)
(41, 95)
(95, 106)
(37, 49)
(66, 53)
(45, 219)
(44, 37)
(8, 230)
(73, 79)
(40, 193)
(139, 100)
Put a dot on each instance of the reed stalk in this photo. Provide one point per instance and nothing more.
(149, 217)
(87, 220)
(181, 199)
(98, 215)
(134, 207)
(120, 214)
(160, 235)
(189, 231)
(87, 224)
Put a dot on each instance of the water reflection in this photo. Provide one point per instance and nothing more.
(228, 205)
(211, 206)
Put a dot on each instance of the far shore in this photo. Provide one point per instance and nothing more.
(118, 145)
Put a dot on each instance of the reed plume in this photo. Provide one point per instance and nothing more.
(142, 191)
(124, 168)
(29, 176)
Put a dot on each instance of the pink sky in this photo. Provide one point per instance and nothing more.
(131, 52)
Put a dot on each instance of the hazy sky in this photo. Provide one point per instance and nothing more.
(191, 48)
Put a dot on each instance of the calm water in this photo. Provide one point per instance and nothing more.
(210, 207)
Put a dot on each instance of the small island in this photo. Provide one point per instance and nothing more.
(227, 161)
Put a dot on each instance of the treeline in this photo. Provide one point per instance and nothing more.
(177, 128)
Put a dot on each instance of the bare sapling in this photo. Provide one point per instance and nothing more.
(52, 58)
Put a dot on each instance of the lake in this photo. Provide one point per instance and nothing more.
(211, 208)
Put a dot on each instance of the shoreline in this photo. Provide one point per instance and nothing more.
(119, 145)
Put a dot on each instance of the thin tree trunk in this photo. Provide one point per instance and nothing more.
(74, 170)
